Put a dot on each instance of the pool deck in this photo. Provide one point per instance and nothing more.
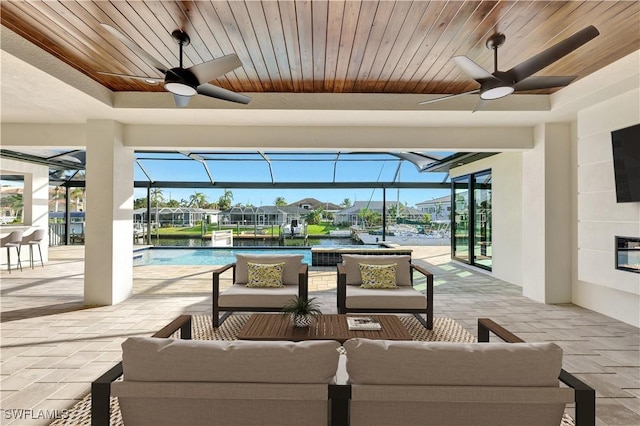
(53, 347)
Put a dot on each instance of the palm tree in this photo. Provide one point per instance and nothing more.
(369, 217)
(57, 196)
(197, 199)
(314, 217)
(280, 201)
(346, 203)
(224, 202)
(78, 195)
(157, 197)
(18, 206)
(394, 211)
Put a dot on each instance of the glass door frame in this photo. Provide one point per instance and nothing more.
(470, 180)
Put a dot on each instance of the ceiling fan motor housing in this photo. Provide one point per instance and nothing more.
(497, 88)
(181, 82)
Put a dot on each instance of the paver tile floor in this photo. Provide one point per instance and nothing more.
(53, 347)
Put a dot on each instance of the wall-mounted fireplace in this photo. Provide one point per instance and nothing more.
(628, 254)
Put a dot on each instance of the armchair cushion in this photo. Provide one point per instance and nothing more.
(239, 295)
(352, 262)
(402, 297)
(264, 275)
(292, 264)
(378, 276)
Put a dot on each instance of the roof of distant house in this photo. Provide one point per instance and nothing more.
(315, 204)
(445, 199)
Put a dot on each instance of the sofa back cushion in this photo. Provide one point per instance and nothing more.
(292, 264)
(352, 263)
(385, 362)
(152, 359)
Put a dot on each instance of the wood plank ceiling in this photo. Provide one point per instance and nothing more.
(325, 46)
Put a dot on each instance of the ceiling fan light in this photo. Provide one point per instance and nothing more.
(496, 92)
(180, 89)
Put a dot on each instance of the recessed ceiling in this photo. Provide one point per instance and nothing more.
(325, 46)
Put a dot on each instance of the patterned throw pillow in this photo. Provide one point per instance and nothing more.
(265, 275)
(378, 276)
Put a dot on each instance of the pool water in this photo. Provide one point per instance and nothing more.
(205, 256)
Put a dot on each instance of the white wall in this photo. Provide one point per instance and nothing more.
(597, 284)
(507, 184)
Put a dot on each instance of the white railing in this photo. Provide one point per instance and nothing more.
(222, 238)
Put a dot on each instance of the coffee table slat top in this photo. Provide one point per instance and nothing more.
(324, 327)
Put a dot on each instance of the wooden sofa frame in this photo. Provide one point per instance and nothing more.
(303, 284)
(427, 323)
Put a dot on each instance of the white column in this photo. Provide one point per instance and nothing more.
(109, 215)
(546, 213)
(36, 206)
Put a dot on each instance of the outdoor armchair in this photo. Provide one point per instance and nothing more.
(353, 297)
(258, 296)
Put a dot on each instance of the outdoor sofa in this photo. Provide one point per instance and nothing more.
(376, 382)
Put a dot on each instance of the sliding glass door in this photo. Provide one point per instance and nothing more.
(460, 207)
(482, 220)
(471, 238)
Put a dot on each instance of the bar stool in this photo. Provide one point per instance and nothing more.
(14, 239)
(34, 239)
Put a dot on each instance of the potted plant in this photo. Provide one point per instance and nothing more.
(302, 311)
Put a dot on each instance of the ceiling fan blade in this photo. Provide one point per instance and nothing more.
(215, 68)
(448, 97)
(136, 49)
(224, 94)
(535, 82)
(552, 54)
(472, 69)
(148, 80)
(181, 101)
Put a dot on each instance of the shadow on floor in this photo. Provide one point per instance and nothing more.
(41, 311)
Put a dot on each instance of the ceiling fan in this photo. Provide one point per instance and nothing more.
(185, 82)
(519, 78)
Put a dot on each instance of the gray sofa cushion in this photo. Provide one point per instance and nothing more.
(403, 297)
(352, 269)
(379, 362)
(170, 360)
(292, 264)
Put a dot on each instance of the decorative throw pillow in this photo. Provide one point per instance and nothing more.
(265, 275)
(378, 276)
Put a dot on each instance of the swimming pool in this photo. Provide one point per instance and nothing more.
(205, 256)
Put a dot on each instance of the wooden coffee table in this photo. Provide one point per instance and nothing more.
(324, 327)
